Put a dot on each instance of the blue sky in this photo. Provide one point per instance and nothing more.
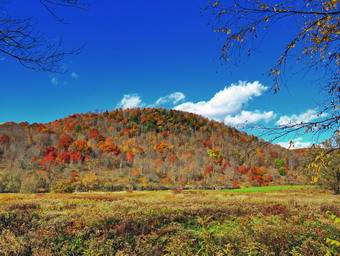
(151, 53)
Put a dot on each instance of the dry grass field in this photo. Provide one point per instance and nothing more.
(284, 222)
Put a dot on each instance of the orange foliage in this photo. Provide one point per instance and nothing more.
(110, 147)
(80, 146)
(165, 134)
(242, 169)
(129, 156)
(125, 132)
(158, 162)
(135, 172)
(258, 174)
(163, 147)
(172, 158)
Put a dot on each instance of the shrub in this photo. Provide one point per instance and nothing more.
(282, 171)
(63, 186)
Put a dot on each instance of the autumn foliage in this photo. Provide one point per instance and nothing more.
(138, 148)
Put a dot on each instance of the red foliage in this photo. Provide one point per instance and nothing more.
(207, 170)
(65, 142)
(126, 132)
(4, 139)
(76, 157)
(235, 184)
(177, 191)
(206, 143)
(11, 123)
(48, 150)
(86, 158)
(93, 134)
(48, 160)
(63, 158)
(268, 178)
(34, 159)
(219, 160)
(286, 167)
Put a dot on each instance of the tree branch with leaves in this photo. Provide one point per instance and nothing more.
(245, 23)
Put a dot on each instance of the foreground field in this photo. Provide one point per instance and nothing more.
(287, 222)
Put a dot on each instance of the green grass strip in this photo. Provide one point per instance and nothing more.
(266, 189)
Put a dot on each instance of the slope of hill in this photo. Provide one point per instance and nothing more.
(137, 148)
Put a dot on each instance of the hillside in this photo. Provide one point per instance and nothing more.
(137, 149)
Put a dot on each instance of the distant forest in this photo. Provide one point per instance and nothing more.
(138, 149)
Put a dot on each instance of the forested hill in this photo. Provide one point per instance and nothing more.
(137, 149)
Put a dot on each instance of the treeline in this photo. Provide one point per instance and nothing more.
(137, 149)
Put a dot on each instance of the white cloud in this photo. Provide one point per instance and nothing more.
(174, 98)
(226, 105)
(54, 80)
(309, 115)
(130, 101)
(74, 75)
(295, 143)
(248, 117)
(228, 101)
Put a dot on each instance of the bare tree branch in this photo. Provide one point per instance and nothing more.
(20, 40)
(316, 46)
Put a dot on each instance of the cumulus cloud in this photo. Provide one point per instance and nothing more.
(54, 80)
(248, 117)
(173, 98)
(226, 102)
(309, 115)
(226, 105)
(74, 75)
(295, 143)
(130, 101)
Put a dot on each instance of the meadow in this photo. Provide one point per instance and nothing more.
(290, 221)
